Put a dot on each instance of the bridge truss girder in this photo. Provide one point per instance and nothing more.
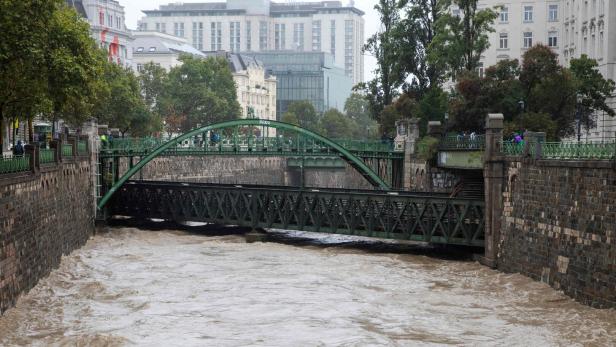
(376, 214)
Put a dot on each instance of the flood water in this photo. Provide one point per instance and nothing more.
(172, 288)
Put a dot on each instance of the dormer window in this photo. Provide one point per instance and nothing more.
(152, 49)
(140, 49)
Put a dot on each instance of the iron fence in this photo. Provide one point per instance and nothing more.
(463, 142)
(13, 164)
(67, 150)
(47, 156)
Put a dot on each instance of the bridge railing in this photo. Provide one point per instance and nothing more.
(561, 150)
(463, 143)
(233, 144)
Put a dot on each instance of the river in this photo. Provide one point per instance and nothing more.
(174, 288)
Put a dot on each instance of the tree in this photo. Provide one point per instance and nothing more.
(357, 109)
(336, 125)
(592, 88)
(291, 118)
(389, 74)
(415, 34)
(153, 81)
(461, 39)
(404, 107)
(305, 113)
(201, 91)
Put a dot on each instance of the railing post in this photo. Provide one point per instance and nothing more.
(33, 152)
(494, 176)
(72, 140)
(59, 152)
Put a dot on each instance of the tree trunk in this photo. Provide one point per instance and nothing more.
(30, 131)
(1, 133)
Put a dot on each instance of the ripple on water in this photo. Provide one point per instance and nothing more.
(159, 288)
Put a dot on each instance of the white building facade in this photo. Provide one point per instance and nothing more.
(107, 27)
(261, 25)
(570, 27)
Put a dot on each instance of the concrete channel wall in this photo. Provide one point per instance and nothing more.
(44, 214)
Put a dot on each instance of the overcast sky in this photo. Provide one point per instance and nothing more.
(133, 14)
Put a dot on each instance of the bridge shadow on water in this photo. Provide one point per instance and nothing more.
(308, 239)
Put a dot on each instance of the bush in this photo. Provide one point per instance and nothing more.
(427, 147)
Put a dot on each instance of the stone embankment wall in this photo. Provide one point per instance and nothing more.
(43, 216)
(244, 170)
(559, 226)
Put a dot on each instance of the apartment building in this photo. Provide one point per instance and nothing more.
(570, 27)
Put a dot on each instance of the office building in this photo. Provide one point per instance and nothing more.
(263, 25)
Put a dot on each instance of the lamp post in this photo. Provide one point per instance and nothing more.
(578, 116)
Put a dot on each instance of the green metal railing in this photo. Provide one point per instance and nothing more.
(573, 150)
(46, 156)
(82, 147)
(67, 150)
(463, 143)
(240, 144)
(13, 164)
(564, 150)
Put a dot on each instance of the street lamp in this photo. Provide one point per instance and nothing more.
(522, 106)
(578, 116)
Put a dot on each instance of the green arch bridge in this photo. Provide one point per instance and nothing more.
(382, 212)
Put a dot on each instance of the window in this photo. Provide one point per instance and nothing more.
(248, 36)
(143, 26)
(101, 18)
(110, 20)
(234, 36)
(333, 38)
(528, 13)
(216, 36)
(152, 49)
(298, 36)
(504, 14)
(161, 27)
(316, 36)
(280, 33)
(139, 67)
(349, 26)
(480, 70)
(553, 39)
(140, 49)
(504, 41)
(263, 33)
(553, 13)
(456, 13)
(528, 39)
(178, 29)
(600, 50)
(197, 35)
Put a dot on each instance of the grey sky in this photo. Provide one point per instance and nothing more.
(133, 14)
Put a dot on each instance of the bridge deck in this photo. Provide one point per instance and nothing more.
(390, 215)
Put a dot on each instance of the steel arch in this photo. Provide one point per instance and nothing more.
(354, 161)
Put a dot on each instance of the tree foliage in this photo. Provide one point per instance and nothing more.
(539, 95)
(201, 91)
(305, 114)
(461, 39)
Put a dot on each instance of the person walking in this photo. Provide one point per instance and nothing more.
(19, 150)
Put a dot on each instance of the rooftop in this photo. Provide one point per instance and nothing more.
(275, 8)
(150, 42)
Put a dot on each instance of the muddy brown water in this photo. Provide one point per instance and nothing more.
(172, 288)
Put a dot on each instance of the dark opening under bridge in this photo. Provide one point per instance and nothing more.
(381, 213)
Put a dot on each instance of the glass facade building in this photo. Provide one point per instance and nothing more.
(311, 76)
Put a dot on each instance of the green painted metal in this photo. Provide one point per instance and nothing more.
(390, 215)
(463, 143)
(13, 164)
(67, 150)
(311, 137)
(47, 156)
(564, 150)
(82, 147)
(456, 159)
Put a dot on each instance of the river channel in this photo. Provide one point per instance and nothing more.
(174, 288)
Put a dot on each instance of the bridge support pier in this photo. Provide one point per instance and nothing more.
(256, 235)
(494, 176)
